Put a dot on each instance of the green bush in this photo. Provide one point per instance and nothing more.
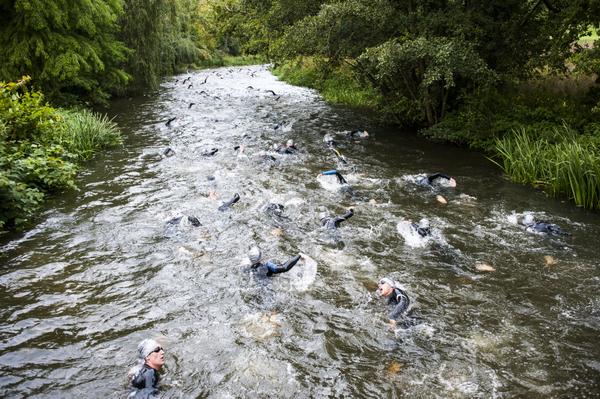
(38, 149)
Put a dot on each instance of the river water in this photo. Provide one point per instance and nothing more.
(106, 268)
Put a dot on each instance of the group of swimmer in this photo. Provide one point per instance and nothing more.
(144, 376)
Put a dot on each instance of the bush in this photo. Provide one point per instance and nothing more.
(38, 149)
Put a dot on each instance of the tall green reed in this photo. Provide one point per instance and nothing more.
(87, 132)
(560, 162)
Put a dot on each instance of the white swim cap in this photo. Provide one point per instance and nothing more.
(254, 255)
(146, 347)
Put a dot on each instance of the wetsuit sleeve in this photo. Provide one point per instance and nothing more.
(330, 172)
(345, 216)
(275, 269)
(340, 178)
(401, 305)
(434, 176)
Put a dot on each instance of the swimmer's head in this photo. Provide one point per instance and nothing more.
(254, 255)
(289, 143)
(385, 287)
(424, 223)
(152, 353)
(528, 219)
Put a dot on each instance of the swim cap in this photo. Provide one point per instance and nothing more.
(146, 347)
(528, 219)
(254, 255)
(386, 280)
(290, 143)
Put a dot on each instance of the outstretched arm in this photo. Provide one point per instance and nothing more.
(276, 269)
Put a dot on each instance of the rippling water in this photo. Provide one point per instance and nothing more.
(104, 268)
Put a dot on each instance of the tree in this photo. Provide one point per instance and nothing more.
(69, 47)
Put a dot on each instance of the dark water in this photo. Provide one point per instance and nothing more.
(104, 269)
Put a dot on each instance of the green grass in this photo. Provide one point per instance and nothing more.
(588, 39)
(87, 132)
(570, 166)
(337, 87)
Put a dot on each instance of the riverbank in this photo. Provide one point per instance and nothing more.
(41, 149)
(555, 112)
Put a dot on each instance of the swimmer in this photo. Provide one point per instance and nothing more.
(337, 174)
(144, 376)
(332, 223)
(444, 179)
(542, 227)
(289, 148)
(358, 134)
(329, 141)
(227, 205)
(275, 209)
(396, 298)
(422, 228)
(268, 268)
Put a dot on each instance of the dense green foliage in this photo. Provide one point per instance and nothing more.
(69, 47)
(38, 149)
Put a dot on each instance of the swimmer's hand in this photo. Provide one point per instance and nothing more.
(392, 323)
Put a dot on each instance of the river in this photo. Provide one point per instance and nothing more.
(108, 266)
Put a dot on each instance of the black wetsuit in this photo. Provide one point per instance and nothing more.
(333, 223)
(227, 204)
(145, 382)
(423, 231)
(547, 228)
(428, 181)
(287, 149)
(268, 268)
(337, 174)
(400, 301)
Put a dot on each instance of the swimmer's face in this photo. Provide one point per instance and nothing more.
(385, 289)
(156, 358)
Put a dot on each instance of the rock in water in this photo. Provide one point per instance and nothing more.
(484, 267)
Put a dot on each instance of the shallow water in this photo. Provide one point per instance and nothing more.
(104, 269)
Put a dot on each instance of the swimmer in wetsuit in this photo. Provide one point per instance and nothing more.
(430, 180)
(422, 228)
(337, 174)
(397, 298)
(289, 148)
(144, 376)
(332, 223)
(542, 227)
(226, 205)
(268, 268)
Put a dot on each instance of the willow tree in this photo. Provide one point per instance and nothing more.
(69, 47)
(162, 37)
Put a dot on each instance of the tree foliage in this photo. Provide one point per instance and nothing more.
(69, 47)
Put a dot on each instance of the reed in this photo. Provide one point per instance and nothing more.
(566, 165)
(87, 132)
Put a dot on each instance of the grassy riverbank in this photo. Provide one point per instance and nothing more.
(41, 148)
(544, 133)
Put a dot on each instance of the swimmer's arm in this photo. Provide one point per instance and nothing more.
(276, 269)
